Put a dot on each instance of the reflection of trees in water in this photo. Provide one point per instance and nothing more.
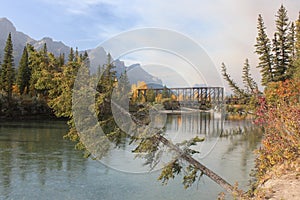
(200, 123)
(241, 136)
(34, 150)
(245, 138)
(5, 162)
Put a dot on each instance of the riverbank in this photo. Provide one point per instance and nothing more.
(282, 182)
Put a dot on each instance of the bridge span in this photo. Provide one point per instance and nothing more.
(190, 95)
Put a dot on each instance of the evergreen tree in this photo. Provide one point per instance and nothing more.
(7, 72)
(297, 38)
(86, 60)
(45, 50)
(263, 49)
(35, 59)
(249, 83)
(24, 73)
(292, 48)
(292, 40)
(278, 70)
(76, 59)
(150, 96)
(235, 88)
(282, 51)
(166, 92)
(85, 55)
(61, 60)
(106, 84)
(71, 57)
(296, 61)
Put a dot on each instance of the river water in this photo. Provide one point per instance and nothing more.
(37, 163)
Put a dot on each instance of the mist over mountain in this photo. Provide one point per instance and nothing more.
(97, 56)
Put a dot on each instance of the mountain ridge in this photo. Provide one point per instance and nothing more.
(98, 56)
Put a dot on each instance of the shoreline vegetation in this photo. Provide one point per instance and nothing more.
(276, 109)
(43, 86)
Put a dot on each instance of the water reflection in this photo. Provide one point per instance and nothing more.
(36, 163)
(32, 152)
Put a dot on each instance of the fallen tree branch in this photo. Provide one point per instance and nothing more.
(185, 156)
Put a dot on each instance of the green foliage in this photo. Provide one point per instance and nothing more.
(263, 49)
(232, 84)
(190, 176)
(150, 96)
(169, 171)
(71, 56)
(7, 70)
(166, 93)
(282, 45)
(249, 83)
(277, 60)
(24, 73)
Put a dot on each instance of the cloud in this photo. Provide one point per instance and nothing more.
(226, 29)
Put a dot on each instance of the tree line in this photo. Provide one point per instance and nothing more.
(40, 77)
(278, 57)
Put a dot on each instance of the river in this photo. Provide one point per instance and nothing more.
(37, 163)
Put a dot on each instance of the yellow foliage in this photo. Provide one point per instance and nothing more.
(134, 90)
(15, 89)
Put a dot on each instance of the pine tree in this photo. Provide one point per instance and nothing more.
(85, 55)
(278, 70)
(105, 88)
(121, 92)
(24, 73)
(166, 92)
(249, 83)
(292, 48)
(86, 60)
(263, 49)
(235, 88)
(7, 72)
(292, 40)
(76, 59)
(45, 49)
(35, 58)
(297, 38)
(296, 61)
(282, 51)
(150, 96)
(71, 57)
(61, 60)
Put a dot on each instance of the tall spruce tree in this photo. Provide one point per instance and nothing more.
(7, 72)
(297, 38)
(77, 57)
(71, 57)
(24, 73)
(263, 49)
(282, 45)
(249, 83)
(296, 61)
(292, 48)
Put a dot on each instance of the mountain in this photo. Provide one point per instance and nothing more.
(98, 56)
(136, 73)
(52, 46)
(20, 39)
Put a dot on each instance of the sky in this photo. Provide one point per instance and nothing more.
(225, 29)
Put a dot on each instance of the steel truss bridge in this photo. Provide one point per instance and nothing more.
(190, 96)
